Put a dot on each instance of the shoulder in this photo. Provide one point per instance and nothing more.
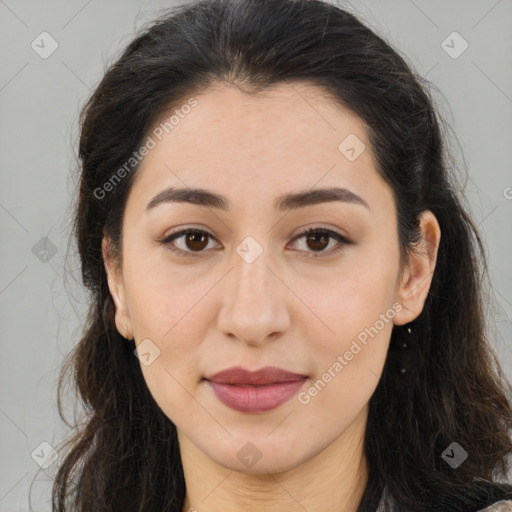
(480, 496)
(500, 506)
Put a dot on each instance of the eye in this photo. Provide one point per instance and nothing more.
(194, 241)
(318, 239)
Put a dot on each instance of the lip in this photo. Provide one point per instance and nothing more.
(255, 391)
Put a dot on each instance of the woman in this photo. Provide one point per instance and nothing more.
(286, 290)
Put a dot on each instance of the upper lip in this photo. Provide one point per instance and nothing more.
(266, 375)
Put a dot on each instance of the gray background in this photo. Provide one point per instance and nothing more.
(42, 303)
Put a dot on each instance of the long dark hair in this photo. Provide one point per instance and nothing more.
(124, 454)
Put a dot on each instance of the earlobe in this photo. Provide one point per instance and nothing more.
(417, 276)
(117, 290)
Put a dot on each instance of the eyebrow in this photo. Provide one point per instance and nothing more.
(202, 197)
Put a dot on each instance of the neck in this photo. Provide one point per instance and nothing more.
(333, 479)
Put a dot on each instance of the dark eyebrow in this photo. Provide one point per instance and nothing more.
(203, 197)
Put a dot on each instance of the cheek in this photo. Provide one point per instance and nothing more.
(356, 293)
(349, 349)
(161, 295)
(168, 385)
(352, 313)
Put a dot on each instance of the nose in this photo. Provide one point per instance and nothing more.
(254, 306)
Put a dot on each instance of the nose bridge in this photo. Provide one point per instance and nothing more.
(254, 302)
(250, 280)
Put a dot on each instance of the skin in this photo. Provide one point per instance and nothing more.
(284, 309)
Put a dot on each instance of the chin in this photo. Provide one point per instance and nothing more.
(259, 457)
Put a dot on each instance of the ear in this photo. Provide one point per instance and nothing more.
(417, 275)
(117, 290)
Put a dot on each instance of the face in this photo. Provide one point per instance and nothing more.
(248, 289)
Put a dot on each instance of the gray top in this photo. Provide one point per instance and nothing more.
(500, 506)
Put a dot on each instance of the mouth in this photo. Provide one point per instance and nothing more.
(255, 391)
(265, 376)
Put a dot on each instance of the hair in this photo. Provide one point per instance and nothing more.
(124, 455)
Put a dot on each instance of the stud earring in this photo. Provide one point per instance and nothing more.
(404, 345)
(402, 357)
(126, 329)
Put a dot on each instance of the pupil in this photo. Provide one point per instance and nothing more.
(314, 237)
(190, 238)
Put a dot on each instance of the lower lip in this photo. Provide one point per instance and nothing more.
(255, 399)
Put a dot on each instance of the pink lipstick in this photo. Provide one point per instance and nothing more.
(255, 391)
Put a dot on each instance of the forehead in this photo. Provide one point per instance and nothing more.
(291, 136)
(297, 117)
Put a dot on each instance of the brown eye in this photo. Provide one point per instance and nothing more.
(195, 240)
(318, 241)
(191, 241)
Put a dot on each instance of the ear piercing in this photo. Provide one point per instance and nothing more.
(126, 329)
(404, 345)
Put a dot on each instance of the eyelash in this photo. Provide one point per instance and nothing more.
(342, 241)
